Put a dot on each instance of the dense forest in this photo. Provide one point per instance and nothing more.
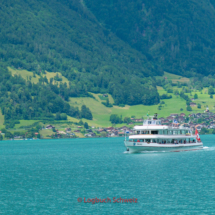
(178, 35)
(63, 36)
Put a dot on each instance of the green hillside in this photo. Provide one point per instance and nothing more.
(179, 35)
(63, 36)
(59, 59)
(101, 114)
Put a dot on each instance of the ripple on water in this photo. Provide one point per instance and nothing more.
(47, 177)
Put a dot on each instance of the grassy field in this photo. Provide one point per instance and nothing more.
(29, 75)
(25, 74)
(101, 113)
(99, 96)
(25, 123)
(174, 78)
(46, 132)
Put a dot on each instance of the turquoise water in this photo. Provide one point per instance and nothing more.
(47, 177)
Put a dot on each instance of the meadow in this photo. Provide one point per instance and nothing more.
(101, 113)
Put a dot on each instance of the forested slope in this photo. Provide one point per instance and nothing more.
(177, 35)
(64, 36)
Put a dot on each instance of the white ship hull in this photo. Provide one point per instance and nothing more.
(141, 147)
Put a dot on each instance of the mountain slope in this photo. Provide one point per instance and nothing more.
(177, 35)
(62, 36)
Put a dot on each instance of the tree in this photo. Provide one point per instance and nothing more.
(80, 122)
(176, 92)
(204, 131)
(3, 130)
(195, 96)
(86, 125)
(8, 134)
(210, 90)
(57, 117)
(127, 120)
(1, 137)
(189, 108)
(63, 116)
(86, 113)
(213, 131)
(199, 106)
(115, 119)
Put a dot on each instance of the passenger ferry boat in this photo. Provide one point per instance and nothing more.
(152, 136)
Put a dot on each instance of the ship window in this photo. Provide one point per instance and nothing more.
(138, 132)
(175, 132)
(149, 122)
(183, 131)
(160, 132)
(148, 140)
(170, 132)
(165, 132)
(141, 140)
(154, 132)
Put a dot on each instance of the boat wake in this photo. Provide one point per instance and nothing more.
(206, 148)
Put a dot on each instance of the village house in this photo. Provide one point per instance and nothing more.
(183, 114)
(181, 119)
(89, 130)
(192, 104)
(123, 128)
(68, 129)
(77, 131)
(198, 127)
(212, 126)
(121, 134)
(110, 129)
(198, 115)
(170, 118)
(173, 114)
(91, 134)
(49, 127)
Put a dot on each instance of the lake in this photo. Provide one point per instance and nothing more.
(48, 177)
